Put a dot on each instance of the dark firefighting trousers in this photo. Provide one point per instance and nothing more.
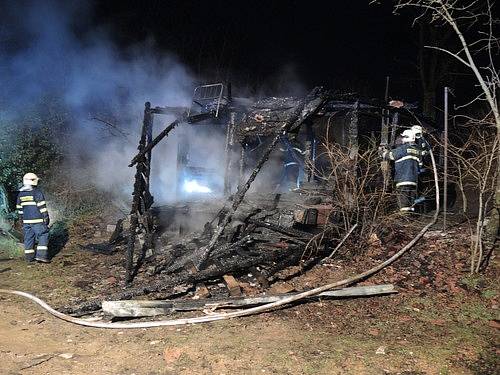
(406, 198)
(36, 234)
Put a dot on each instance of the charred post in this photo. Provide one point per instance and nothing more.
(242, 164)
(147, 149)
(141, 197)
(228, 153)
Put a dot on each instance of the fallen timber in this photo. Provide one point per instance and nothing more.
(137, 308)
(312, 103)
(173, 283)
(244, 312)
(228, 250)
(258, 243)
(277, 228)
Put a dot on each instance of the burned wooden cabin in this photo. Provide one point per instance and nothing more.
(243, 232)
(253, 131)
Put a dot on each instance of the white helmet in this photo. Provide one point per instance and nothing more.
(408, 136)
(417, 130)
(30, 179)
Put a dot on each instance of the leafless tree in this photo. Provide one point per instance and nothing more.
(461, 18)
(474, 166)
(474, 26)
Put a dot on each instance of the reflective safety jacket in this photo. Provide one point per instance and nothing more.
(31, 206)
(423, 147)
(407, 158)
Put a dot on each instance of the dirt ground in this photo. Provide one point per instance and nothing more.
(440, 322)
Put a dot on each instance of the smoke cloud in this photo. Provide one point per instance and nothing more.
(49, 51)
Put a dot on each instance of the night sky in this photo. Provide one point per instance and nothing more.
(347, 45)
(278, 47)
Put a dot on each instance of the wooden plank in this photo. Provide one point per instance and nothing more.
(154, 308)
(233, 285)
(202, 291)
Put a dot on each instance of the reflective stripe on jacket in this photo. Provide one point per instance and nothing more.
(31, 206)
(407, 158)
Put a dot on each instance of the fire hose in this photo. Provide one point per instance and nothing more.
(249, 311)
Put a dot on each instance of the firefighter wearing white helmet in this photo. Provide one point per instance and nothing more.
(408, 136)
(30, 179)
(407, 158)
(32, 210)
(417, 130)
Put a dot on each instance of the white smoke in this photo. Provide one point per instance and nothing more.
(49, 49)
(91, 77)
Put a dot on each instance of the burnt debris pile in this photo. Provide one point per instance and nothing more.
(245, 231)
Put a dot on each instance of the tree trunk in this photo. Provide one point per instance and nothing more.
(429, 102)
(494, 224)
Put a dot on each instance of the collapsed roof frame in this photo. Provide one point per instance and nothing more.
(141, 218)
(318, 102)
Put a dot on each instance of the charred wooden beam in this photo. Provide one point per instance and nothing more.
(184, 279)
(177, 111)
(169, 267)
(149, 233)
(141, 197)
(154, 142)
(301, 113)
(277, 228)
(228, 153)
(127, 309)
(242, 166)
(394, 126)
(309, 152)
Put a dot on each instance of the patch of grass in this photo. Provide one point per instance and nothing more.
(473, 282)
(425, 309)
(487, 363)
(470, 312)
(9, 248)
(489, 293)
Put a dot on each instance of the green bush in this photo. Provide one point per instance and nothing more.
(31, 142)
(9, 248)
(37, 141)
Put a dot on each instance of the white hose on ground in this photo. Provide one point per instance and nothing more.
(245, 312)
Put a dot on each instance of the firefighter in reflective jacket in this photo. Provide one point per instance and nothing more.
(32, 210)
(407, 158)
(421, 143)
